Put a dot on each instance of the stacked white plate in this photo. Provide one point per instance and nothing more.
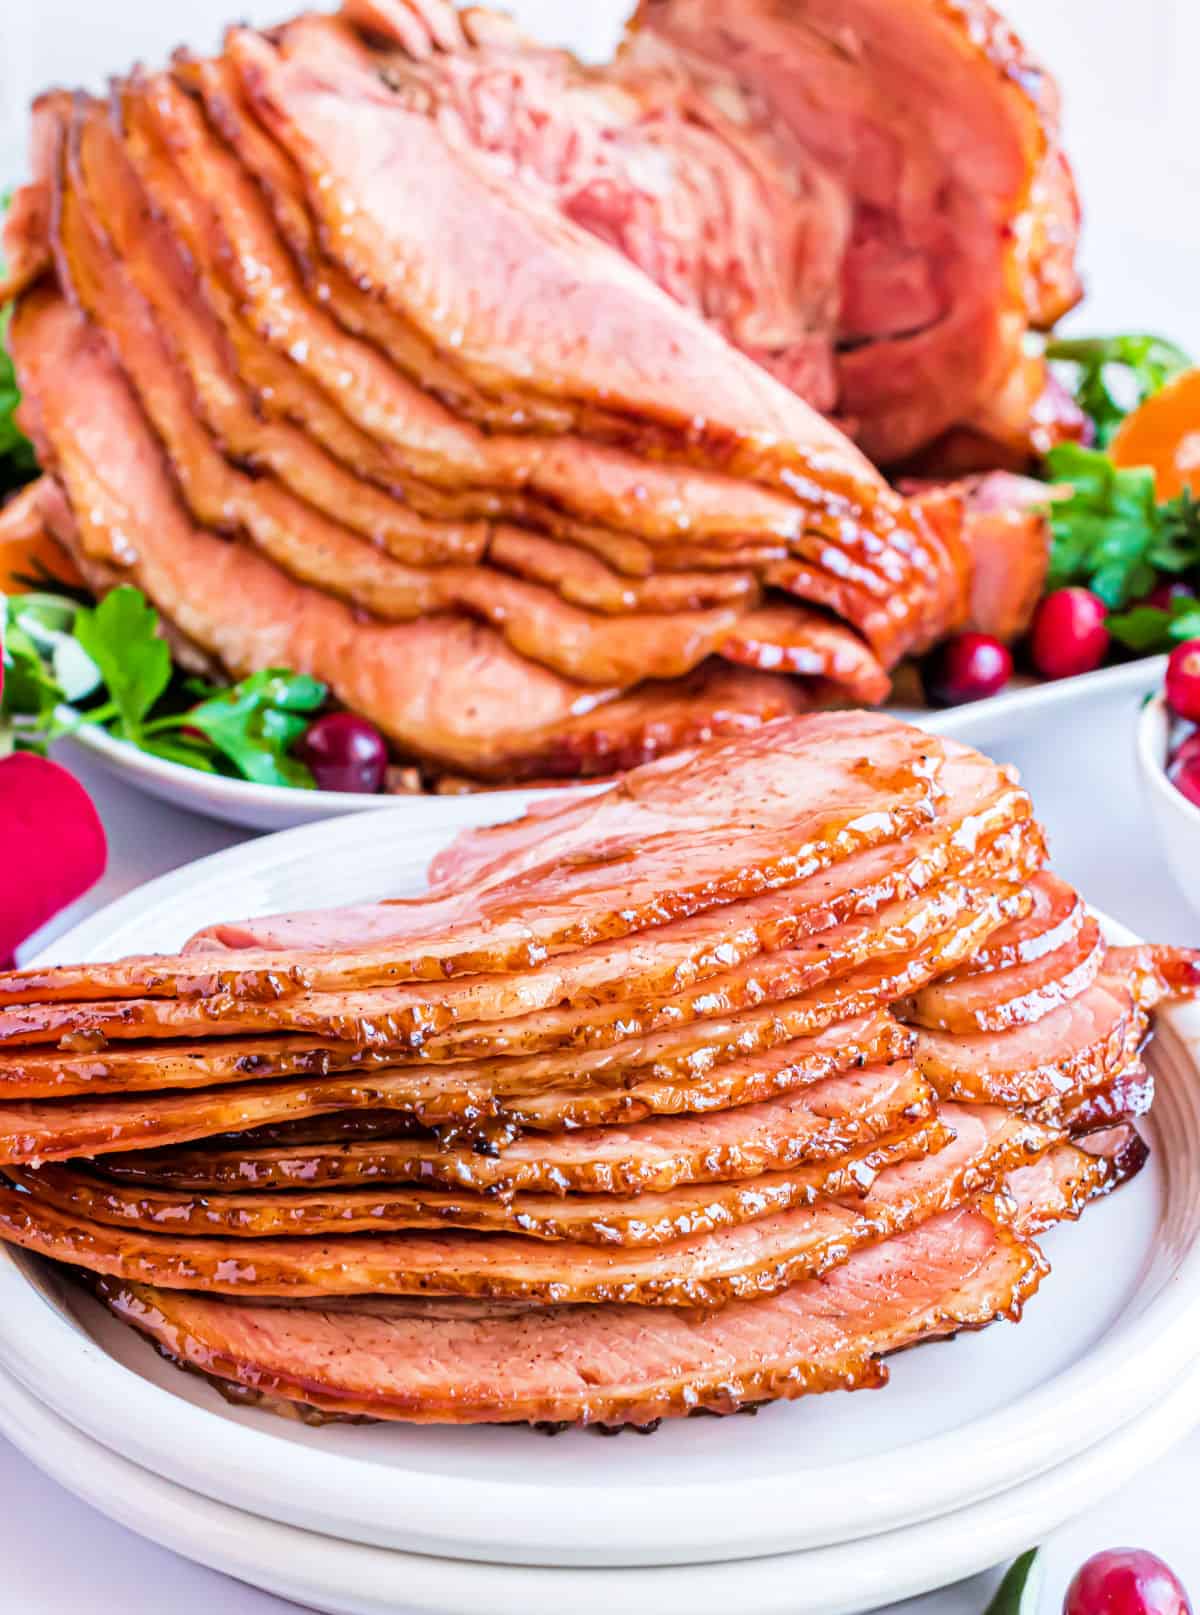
(840, 1503)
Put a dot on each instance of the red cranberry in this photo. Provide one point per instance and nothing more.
(1165, 593)
(1126, 1581)
(1183, 680)
(345, 753)
(1069, 635)
(967, 668)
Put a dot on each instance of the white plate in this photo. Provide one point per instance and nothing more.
(343, 1578)
(278, 807)
(275, 807)
(958, 1423)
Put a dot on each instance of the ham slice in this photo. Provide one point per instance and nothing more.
(660, 845)
(1076, 1046)
(962, 210)
(816, 1123)
(755, 1258)
(1062, 1183)
(1056, 917)
(62, 1128)
(994, 1000)
(442, 1363)
(644, 1220)
(589, 647)
(25, 238)
(1126, 1096)
(105, 188)
(321, 98)
(489, 1015)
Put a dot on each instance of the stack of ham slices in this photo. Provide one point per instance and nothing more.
(508, 396)
(710, 1089)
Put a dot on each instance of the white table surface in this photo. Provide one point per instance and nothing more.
(60, 1554)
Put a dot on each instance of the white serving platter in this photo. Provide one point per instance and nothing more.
(343, 1578)
(276, 807)
(279, 807)
(958, 1424)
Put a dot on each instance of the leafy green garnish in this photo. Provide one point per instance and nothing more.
(1017, 1594)
(1136, 365)
(111, 658)
(121, 636)
(1150, 629)
(1110, 533)
(257, 722)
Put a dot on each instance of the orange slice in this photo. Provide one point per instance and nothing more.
(1164, 434)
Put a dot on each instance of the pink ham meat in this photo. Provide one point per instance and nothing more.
(431, 1362)
(34, 1130)
(676, 838)
(443, 1092)
(486, 710)
(683, 953)
(1063, 1182)
(970, 1000)
(1077, 1046)
(558, 1005)
(644, 1220)
(975, 802)
(1128, 1095)
(1055, 918)
(755, 1258)
(25, 237)
(321, 97)
(817, 1123)
(962, 217)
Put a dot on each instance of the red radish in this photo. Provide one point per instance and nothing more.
(51, 842)
(1126, 1581)
(1069, 635)
(967, 668)
(1183, 680)
(345, 753)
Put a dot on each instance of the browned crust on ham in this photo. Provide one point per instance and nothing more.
(817, 1123)
(643, 1220)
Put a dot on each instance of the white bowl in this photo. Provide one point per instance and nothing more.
(1177, 819)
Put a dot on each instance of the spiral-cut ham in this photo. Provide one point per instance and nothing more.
(507, 408)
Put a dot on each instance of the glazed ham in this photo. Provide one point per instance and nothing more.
(518, 396)
(662, 844)
(770, 1058)
(643, 1220)
(760, 1256)
(434, 1363)
(822, 1122)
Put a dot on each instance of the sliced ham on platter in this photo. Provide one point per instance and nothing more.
(712, 1088)
(537, 408)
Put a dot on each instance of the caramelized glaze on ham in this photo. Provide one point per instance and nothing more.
(660, 845)
(437, 1363)
(814, 1123)
(780, 1032)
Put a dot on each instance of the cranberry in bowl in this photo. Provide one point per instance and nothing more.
(1168, 748)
